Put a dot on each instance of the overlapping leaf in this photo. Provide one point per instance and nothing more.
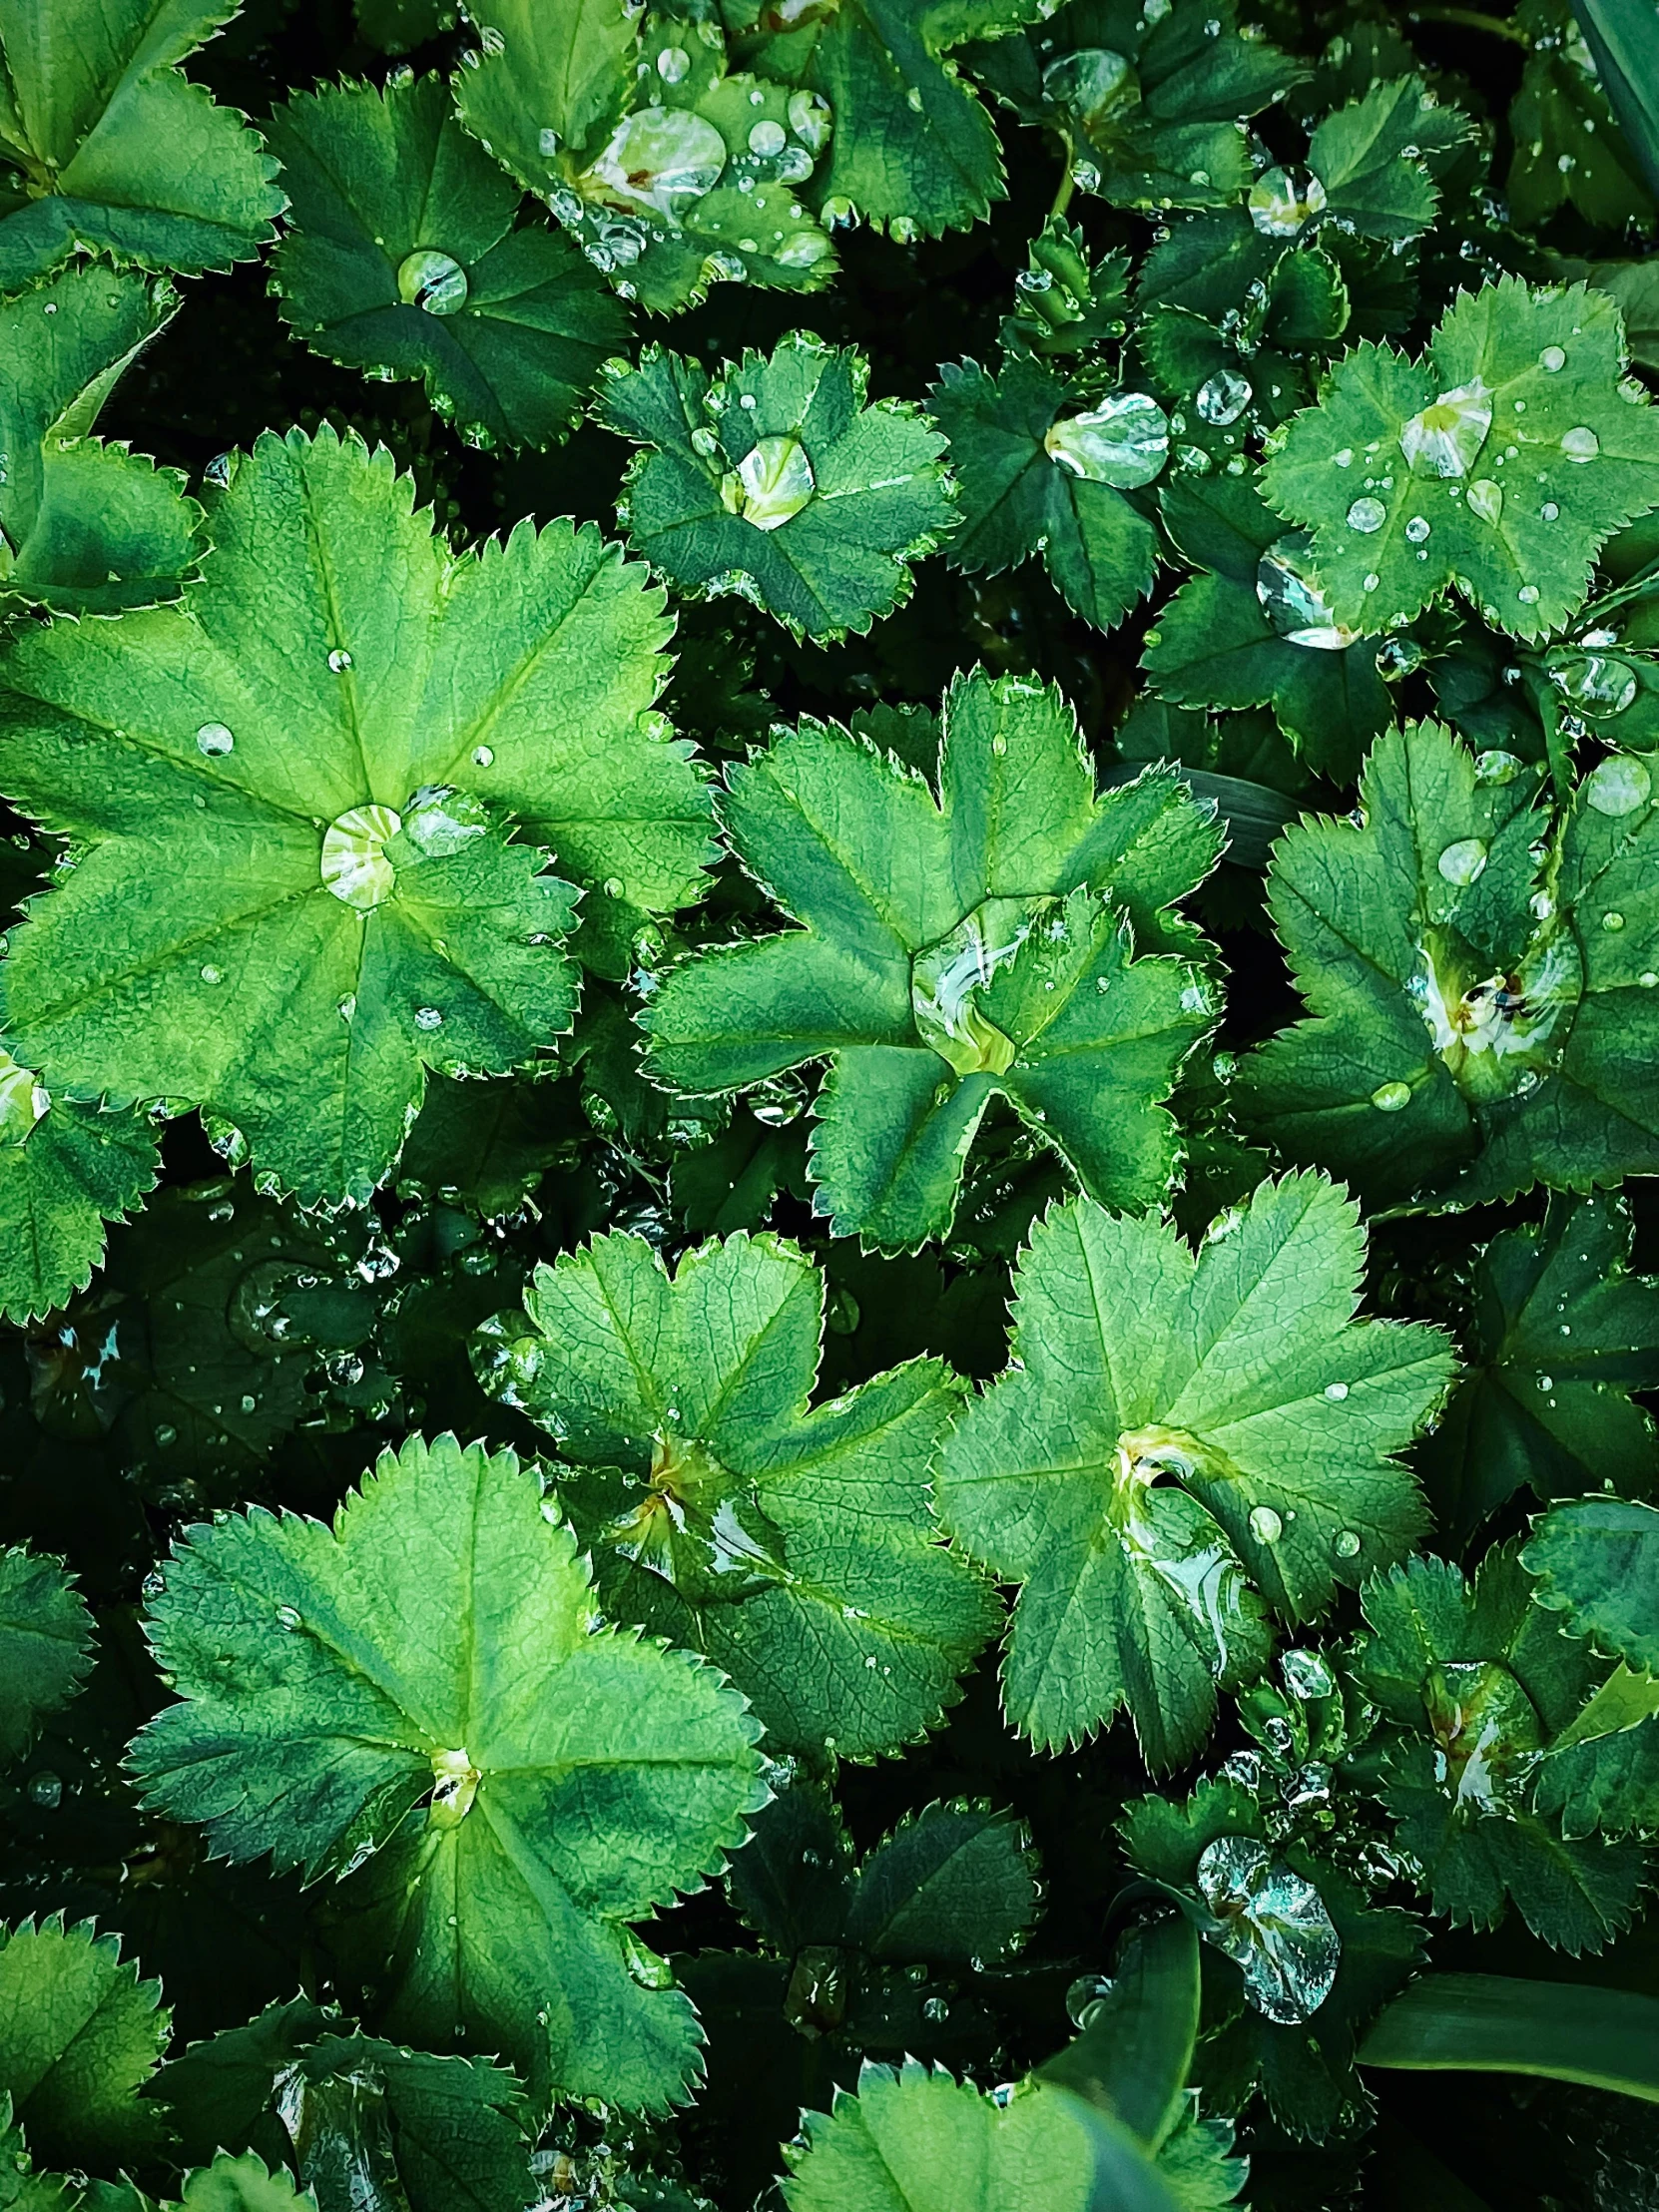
(1499, 464)
(45, 1643)
(1482, 1013)
(522, 1781)
(954, 950)
(1177, 1435)
(67, 1168)
(104, 144)
(776, 481)
(79, 2035)
(401, 256)
(288, 933)
(791, 1547)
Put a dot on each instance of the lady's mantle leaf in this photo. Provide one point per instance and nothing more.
(428, 1688)
(1476, 1680)
(670, 172)
(916, 2140)
(67, 1168)
(955, 949)
(1559, 1334)
(791, 1547)
(1569, 148)
(45, 1643)
(400, 256)
(1499, 464)
(87, 528)
(1482, 980)
(774, 480)
(1252, 628)
(1597, 1560)
(80, 2034)
(1175, 1434)
(299, 795)
(104, 144)
(1303, 2059)
(1041, 472)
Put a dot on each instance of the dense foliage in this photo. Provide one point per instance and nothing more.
(829, 1075)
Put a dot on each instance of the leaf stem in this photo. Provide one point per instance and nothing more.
(1559, 746)
(1473, 19)
(1068, 182)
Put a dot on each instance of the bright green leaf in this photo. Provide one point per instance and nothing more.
(79, 2035)
(1177, 1433)
(68, 1167)
(522, 1781)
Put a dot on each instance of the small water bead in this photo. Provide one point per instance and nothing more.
(1580, 445)
(1335, 1391)
(1618, 784)
(1416, 529)
(1464, 861)
(1486, 500)
(428, 1017)
(1346, 1544)
(1648, 978)
(612, 886)
(338, 661)
(1612, 921)
(674, 65)
(1265, 1524)
(1528, 595)
(212, 975)
(213, 740)
(1366, 515)
(1388, 1098)
(289, 1617)
(1552, 357)
(1306, 1675)
(1222, 398)
(483, 756)
(432, 281)
(1549, 510)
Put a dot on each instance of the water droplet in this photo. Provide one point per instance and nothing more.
(1123, 443)
(1416, 529)
(1366, 514)
(1464, 861)
(674, 65)
(1388, 1098)
(1528, 595)
(1549, 510)
(1306, 1675)
(1580, 445)
(431, 280)
(1271, 1922)
(1618, 784)
(1335, 1391)
(771, 484)
(612, 886)
(1552, 357)
(658, 160)
(767, 139)
(1222, 398)
(212, 975)
(1496, 766)
(46, 1789)
(213, 740)
(354, 861)
(1265, 1524)
(1444, 438)
(428, 1017)
(1486, 500)
(1292, 600)
(1346, 1544)
(1612, 921)
(1283, 201)
(289, 1617)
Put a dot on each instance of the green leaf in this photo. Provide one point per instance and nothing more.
(45, 1643)
(486, 1146)
(1597, 1562)
(1175, 1434)
(1476, 1680)
(243, 2184)
(219, 2092)
(79, 2035)
(1368, 157)
(1480, 1020)
(21, 2188)
(1135, 2050)
(1303, 2062)
(913, 148)
(774, 480)
(68, 1167)
(1560, 1332)
(1252, 629)
(89, 528)
(1151, 106)
(401, 256)
(791, 1547)
(1608, 1784)
(1615, 33)
(670, 173)
(441, 2132)
(917, 2142)
(1569, 148)
(942, 960)
(1024, 489)
(522, 1781)
(1499, 464)
(105, 145)
(1067, 304)
(1564, 2031)
(290, 935)
(953, 1886)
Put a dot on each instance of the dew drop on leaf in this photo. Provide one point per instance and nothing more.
(1265, 1524)
(1366, 515)
(1271, 1922)
(1618, 784)
(1464, 861)
(1388, 1098)
(213, 740)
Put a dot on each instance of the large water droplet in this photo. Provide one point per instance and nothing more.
(1446, 438)
(22, 1100)
(772, 483)
(1596, 684)
(1366, 515)
(213, 740)
(946, 981)
(1223, 397)
(440, 820)
(661, 158)
(1284, 200)
(1095, 83)
(354, 864)
(674, 65)
(1486, 500)
(1271, 1922)
(1618, 784)
(1580, 445)
(1292, 600)
(1123, 443)
(1265, 1524)
(432, 281)
(1464, 861)
(1306, 1675)
(1388, 1098)
(767, 139)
